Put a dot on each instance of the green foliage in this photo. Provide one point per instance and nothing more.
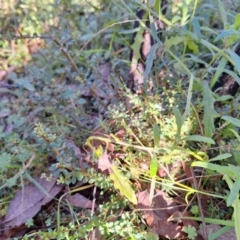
(55, 97)
(195, 210)
(191, 232)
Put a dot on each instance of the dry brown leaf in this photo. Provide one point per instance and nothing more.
(187, 170)
(28, 201)
(78, 200)
(186, 222)
(157, 215)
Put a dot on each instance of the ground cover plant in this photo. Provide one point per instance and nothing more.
(92, 149)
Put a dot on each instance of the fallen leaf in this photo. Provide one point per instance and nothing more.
(104, 163)
(29, 200)
(157, 214)
(78, 200)
(186, 222)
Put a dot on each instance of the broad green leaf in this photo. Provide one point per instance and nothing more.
(209, 113)
(234, 121)
(198, 138)
(153, 166)
(122, 183)
(220, 157)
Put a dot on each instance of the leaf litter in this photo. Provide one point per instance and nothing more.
(28, 201)
(158, 215)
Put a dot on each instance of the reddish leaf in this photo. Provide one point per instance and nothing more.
(104, 163)
(78, 200)
(157, 215)
(28, 201)
(186, 222)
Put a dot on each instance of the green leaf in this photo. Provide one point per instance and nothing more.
(235, 58)
(149, 61)
(198, 138)
(178, 119)
(223, 13)
(122, 183)
(196, 27)
(209, 112)
(5, 161)
(234, 192)
(236, 216)
(236, 24)
(154, 30)
(138, 40)
(214, 167)
(232, 120)
(233, 75)
(236, 207)
(173, 41)
(226, 33)
(219, 71)
(25, 83)
(220, 157)
(189, 98)
(153, 166)
(191, 231)
(192, 45)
